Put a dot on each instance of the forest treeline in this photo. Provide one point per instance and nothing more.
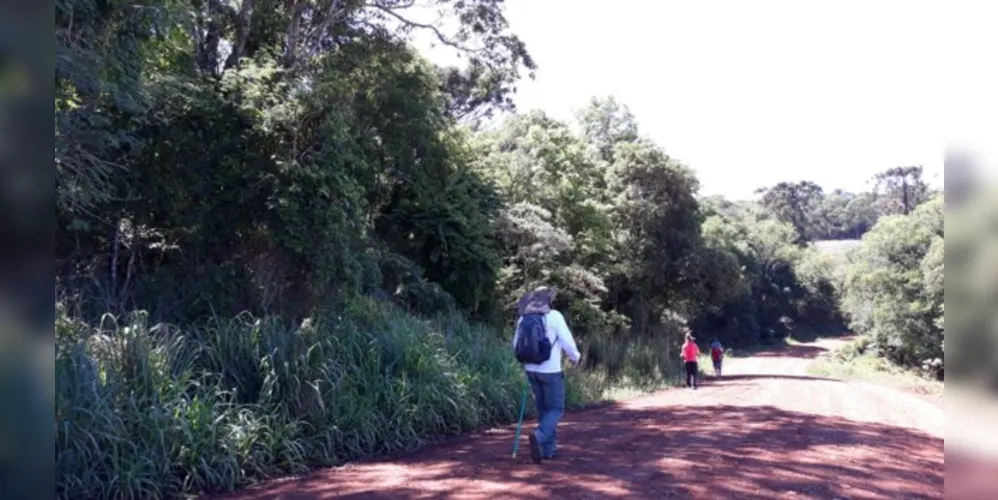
(285, 240)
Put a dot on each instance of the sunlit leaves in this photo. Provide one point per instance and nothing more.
(894, 286)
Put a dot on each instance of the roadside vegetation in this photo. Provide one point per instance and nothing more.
(857, 362)
(285, 240)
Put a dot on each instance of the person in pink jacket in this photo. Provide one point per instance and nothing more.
(690, 354)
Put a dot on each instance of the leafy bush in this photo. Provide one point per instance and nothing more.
(858, 347)
(893, 288)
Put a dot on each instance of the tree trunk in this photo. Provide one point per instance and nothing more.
(207, 50)
(243, 25)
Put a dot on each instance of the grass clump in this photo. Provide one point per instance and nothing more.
(858, 361)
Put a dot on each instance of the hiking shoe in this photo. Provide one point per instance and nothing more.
(551, 456)
(535, 448)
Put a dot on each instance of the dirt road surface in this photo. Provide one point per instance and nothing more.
(765, 430)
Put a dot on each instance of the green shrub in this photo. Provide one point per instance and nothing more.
(858, 347)
(894, 288)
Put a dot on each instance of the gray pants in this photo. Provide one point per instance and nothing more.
(549, 398)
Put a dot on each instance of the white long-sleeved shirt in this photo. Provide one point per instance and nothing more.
(561, 341)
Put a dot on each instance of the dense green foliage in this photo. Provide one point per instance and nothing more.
(816, 215)
(894, 287)
(315, 247)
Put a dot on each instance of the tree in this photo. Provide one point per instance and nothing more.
(102, 49)
(793, 203)
(604, 123)
(842, 215)
(754, 284)
(312, 160)
(893, 286)
(557, 225)
(657, 228)
(899, 190)
(537, 160)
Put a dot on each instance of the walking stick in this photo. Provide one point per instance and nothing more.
(519, 424)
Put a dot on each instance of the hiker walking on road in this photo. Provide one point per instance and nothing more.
(717, 356)
(541, 336)
(689, 355)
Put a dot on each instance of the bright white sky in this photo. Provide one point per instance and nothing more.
(753, 93)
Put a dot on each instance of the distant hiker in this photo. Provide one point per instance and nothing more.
(541, 336)
(717, 356)
(689, 355)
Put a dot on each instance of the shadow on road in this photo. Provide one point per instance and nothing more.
(781, 350)
(802, 351)
(724, 378)
(722, 451)
(970, 476)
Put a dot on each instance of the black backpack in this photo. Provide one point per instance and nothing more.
(532, 344)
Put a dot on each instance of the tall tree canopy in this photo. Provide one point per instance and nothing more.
(793, 203)
(899, 190)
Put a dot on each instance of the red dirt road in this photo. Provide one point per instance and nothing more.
(765, 430)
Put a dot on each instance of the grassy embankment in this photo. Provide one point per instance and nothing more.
(155, 411)
(855, 361)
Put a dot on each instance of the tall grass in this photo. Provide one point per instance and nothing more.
(154, 412)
